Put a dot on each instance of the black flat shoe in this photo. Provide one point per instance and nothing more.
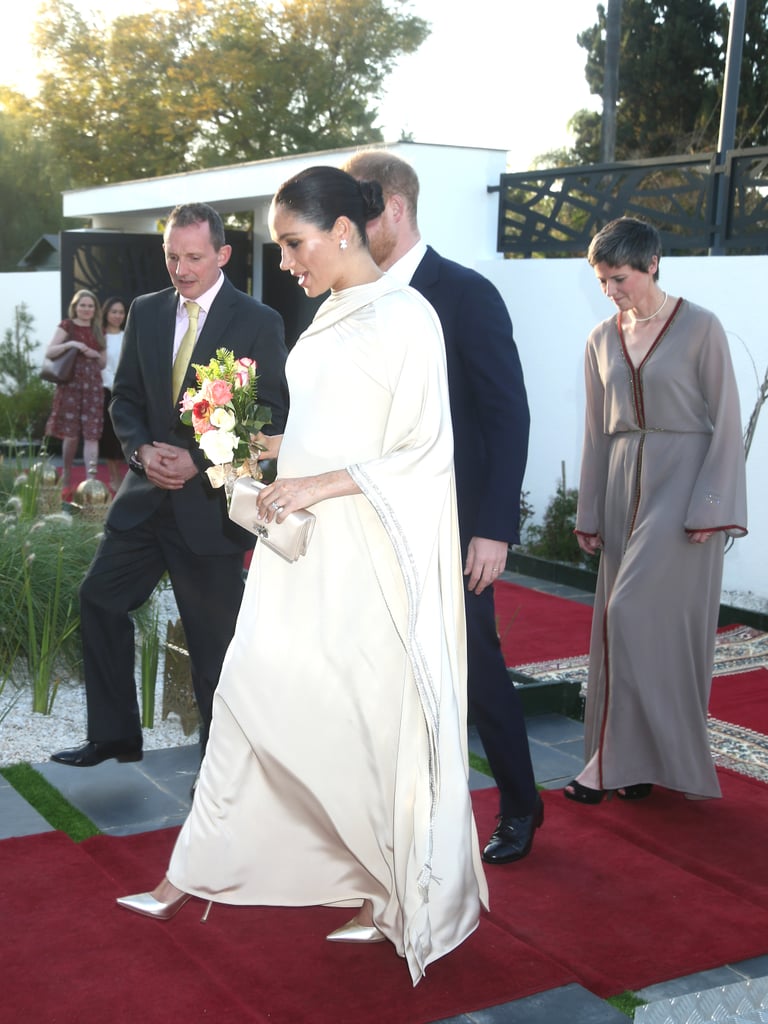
(583, 794)
(92, 753)
(637, 792)
(513, 837)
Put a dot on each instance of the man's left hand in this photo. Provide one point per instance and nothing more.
(486, 559)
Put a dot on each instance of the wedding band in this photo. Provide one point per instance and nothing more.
(275, 507)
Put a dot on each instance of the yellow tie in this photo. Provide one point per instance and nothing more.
(181, 362)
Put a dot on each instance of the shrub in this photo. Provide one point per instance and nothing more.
(24, 414)
(554, 537)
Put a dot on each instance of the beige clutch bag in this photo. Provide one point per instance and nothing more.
(289, 539)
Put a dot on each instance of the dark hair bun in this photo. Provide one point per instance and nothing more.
(373, 199)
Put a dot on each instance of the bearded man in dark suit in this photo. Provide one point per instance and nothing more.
(489, 411)
(166, 516)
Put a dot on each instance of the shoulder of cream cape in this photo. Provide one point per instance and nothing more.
(340, 305)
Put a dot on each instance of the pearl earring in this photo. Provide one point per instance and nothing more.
(343, 244)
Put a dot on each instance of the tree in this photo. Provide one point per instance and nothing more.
(215, 82)
(31, 180)
(16, 350)
(671, 66)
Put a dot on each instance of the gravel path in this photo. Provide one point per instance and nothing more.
(29, 736)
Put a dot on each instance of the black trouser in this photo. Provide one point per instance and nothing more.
(126, 569)
(496, 708)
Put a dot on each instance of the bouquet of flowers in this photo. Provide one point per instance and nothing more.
(225, 414)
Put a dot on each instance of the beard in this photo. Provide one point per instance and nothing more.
(381, 243)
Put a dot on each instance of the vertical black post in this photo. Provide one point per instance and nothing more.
(727, 135)
(610, 81)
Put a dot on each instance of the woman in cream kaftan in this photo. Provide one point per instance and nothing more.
(336, 770)
(663, 458)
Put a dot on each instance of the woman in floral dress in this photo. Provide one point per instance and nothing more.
(78, 406)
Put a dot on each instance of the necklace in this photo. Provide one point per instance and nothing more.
(644, 319)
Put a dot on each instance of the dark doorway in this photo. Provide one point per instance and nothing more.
(280, 291)
(121, 263)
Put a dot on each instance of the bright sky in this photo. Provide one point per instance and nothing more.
(506, 74)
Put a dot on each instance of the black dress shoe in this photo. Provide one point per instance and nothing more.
(513, 837)
(94, 753)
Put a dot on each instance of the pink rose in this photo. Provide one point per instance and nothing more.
(245, 371)
(217, 392)
(221, 392)
(187, 402)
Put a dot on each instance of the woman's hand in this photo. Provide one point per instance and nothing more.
(287, 495)
(590, 543)
(269, 445)
(700, 536)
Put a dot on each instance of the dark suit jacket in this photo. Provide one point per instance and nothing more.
(142, 410)
(489, 407)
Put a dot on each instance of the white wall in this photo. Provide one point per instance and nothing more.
(40, 293)
(456, 211)
(555, 303)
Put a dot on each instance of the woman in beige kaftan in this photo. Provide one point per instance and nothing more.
(336, 770)
(662, 486)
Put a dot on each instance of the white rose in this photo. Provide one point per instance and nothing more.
(218, 445)
(223, 419)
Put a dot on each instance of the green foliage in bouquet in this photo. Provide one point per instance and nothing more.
(224, 410)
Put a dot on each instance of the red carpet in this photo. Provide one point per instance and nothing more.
(629, 894)
(742, 699)
(71, 955)
(615, 897)
(534, 626)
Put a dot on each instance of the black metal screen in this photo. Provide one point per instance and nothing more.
(555, 212)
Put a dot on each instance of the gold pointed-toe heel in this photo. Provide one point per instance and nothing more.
(146, 904)
(353, 931)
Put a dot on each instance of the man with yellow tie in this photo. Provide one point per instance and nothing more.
(166, 517)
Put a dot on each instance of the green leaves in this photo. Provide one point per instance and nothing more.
(215, 82)
(671, 68)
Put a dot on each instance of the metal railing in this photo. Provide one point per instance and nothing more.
(556, 211)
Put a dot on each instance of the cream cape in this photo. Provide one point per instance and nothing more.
(337, 764)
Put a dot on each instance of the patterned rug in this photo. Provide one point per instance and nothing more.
(738, 649)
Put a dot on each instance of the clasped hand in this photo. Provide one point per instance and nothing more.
(167, 466)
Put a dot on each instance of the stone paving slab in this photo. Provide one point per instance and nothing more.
(122, 799)
(17, 817)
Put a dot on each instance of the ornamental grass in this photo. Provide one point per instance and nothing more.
(43, 559)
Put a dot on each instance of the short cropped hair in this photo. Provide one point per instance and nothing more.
(626, 241)
(186, 214)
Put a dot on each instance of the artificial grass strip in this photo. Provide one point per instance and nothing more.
(479, 764)
(626, 1002)
(49, 803)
